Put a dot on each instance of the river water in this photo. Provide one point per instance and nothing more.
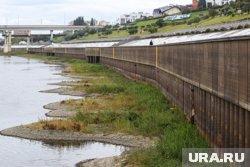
(21, 79)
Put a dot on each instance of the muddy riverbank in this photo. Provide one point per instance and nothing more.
(56, 135)
(21, 103)
(59, 110)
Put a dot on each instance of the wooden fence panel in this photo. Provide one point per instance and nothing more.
(243, 72)
(226, 125)
(231, 71)
(146, 71)
(231, 125)
(142, 55)
(169, 60)
(179, 58)
(215, 66)
(187, 100)
(196, 53)
(217, 116)
(221, 60)
(180, 93)
(174, 59)
(197, 110)
(189, 61)
(242, 127)
(236, 126)
(222, 124)
(162, 56)
(247, 131)
(208, 116)
(107, 52)
(205, 67)
(212, 120)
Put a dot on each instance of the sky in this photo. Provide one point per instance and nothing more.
(60, 12)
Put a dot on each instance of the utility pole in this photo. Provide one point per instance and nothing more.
(64, 18)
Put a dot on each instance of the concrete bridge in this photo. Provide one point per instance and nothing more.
(7, 31)
(43, 27)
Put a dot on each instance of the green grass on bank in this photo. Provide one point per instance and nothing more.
(121, 33)
(147, 113)
(149, 22)
(207, 22)
(58, 39)
(133, 108)
(224, 19)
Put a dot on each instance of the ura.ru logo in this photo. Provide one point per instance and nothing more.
(214, 157)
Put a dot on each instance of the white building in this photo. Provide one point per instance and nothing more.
(103, 23)
(132, 17)
(223, 2)
(218, 2)
(166, 11)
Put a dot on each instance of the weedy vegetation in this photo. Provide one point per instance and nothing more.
(129, 107)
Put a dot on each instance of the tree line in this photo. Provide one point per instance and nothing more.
(79, 21)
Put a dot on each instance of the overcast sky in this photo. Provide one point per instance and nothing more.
(63, 11)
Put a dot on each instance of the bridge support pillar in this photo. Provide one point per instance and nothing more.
(51, 36)
(5, 46)
(28, 41)
(7, 42)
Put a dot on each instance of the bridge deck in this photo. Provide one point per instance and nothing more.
(43, 27)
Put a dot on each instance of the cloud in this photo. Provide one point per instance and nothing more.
(60, 11)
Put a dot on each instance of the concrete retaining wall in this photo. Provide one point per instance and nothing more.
(208, 81)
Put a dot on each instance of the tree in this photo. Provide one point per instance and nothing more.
(92, 22)
(92, 31)
(68, 37)
(227, 10)
(196, 20)
(160, 23)
(193, 20)
(79, 21)
(107, 32)
(202, 4)
(244, 5)
(132, 30)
